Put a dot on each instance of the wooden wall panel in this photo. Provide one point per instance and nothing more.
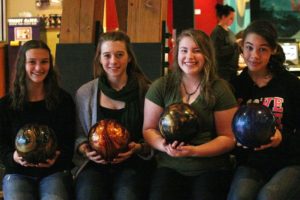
(69, 32)
(141, 19)
(98, 17)
(144, 20)
(164, 10)
(78, 20)
(122, 12)
(87, 25)
(99, 10)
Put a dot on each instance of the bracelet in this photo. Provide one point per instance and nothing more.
(145, 149)
(82, 149)
(141, 150)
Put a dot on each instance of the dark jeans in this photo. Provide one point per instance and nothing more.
(169, 184)
(249, 183)
(97, 182)
(56, 186)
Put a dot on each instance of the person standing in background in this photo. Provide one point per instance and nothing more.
(226, 46)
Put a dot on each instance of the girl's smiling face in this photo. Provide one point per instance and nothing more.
(190, 58)
(37, 65)
(114, 58)
(256, 52)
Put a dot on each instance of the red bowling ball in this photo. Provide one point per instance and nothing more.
(108, 138)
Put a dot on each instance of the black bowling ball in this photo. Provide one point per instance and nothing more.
(36, 143)
(179, 122)
(253, 125)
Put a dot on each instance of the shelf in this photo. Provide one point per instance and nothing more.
(53, 29)
(294, 69)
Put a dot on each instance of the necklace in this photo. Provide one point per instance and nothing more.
(190, 94)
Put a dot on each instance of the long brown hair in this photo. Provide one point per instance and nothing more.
(133, 69)
(19, 90)
(208, 75)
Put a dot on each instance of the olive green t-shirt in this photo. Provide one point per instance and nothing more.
(224, 99)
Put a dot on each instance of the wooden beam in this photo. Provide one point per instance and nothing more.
(87, 21)
(144, 20)
(78, 20)
(70, 24)
(122, 12)
(99, 10)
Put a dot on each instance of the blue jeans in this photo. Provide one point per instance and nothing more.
(249, 183)
(169, 184)
(57, 186)
(106, 182)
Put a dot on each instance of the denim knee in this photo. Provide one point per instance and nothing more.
(57, 186)
(128, 184)
(283, 185)
(17, 186)
(92, 184)
(246, 184)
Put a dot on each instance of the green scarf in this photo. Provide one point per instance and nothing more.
(132, 118)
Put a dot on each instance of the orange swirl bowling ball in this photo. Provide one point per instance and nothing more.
(36, 143)
(179, 122)
(108, 138)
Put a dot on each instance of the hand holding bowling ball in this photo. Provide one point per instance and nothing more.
(36, 143)
(253, 125)
(108, 138)
(179, 122)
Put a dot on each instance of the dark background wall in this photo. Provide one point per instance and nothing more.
(183, 14)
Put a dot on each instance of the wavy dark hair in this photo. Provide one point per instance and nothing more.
(268, 31)
(19, 93)
(208, 75)
(133, 69)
